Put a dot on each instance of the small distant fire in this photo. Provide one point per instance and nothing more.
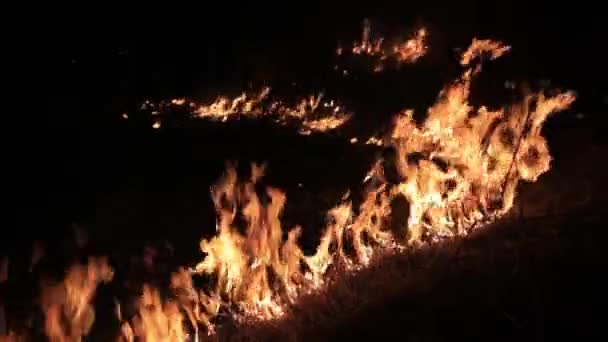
(408, 51)
(459, 168)
(310, 113)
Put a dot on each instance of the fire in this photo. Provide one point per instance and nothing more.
(179, 102)
(469, 161)
(67, 305)
(367, 46)
(408, 51)
(412, 49)
(460, 167)
(309, 113)
(157, 321)
(250, 267)
(479, 46)
(225, 107)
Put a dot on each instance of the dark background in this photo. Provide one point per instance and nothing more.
(75, 70)
(70, 158)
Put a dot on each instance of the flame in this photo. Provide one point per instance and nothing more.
(224, 107)
(157, 321)
(459, 167)
(67, 305)
(408, 51)
(470, 161)
(308, 112)
(367, 46)
(481, 46)
(253, 266)
(412, 49)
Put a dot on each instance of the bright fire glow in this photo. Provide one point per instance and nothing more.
(458, 168)
(408, 51)
(309, 113)
(67, 305)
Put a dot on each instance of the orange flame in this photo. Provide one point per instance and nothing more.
(460, 167)
(366, 45)
(408, 51)
(67, 305)
(157, 321)
(412, 49)
(309, 113)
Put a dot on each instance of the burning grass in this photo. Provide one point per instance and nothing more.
(456, 171)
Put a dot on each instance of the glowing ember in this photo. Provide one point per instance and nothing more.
(178, 102)
(224, 107)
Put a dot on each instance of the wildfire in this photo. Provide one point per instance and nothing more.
(458, 168)
(67, 305)
(479, 47)
(224, 107)
(309, 113)
(408, 51)
(366, 46)
(412, 49)
(461, 166)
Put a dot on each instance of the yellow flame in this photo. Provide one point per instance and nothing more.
(178, 102)
(412, 49)
(459, 167)
(157, 321)
(480, 46)
(309, 112)
(408, 51)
